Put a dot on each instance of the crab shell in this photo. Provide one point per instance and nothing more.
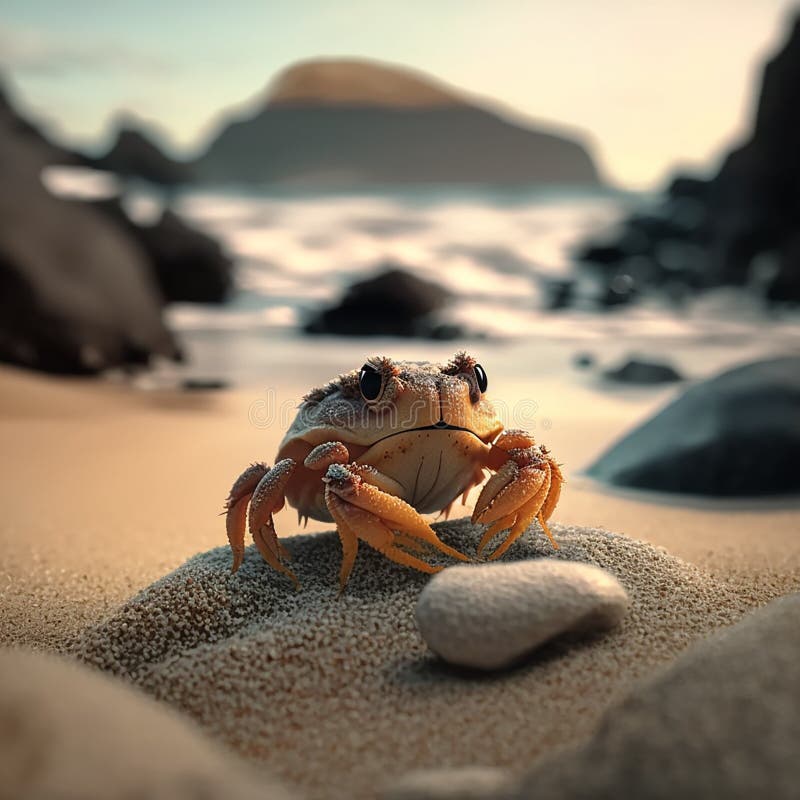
(430, 430)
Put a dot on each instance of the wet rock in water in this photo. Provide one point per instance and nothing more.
(69, 732)
(559, 294)
(393, 303)
(489, 616)
(584, 360)
(76, 294)
(735, 435)
(643, 372)
(721, 722)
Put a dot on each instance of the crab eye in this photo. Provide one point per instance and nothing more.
(370, 382)
(480, 376)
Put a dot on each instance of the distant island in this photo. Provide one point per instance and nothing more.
(351, 123)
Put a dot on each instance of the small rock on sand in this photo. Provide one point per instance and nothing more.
(70, 733)
(735, 435)
(454, 783)
(643, 372)
(488, 616)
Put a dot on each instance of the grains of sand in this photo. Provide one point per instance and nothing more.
(339, 696)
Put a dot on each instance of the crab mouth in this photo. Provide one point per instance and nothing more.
(441, 425)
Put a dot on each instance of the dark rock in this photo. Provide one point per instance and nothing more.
(619, 291)
(602, 254)
(189, 266)
(708, 233)
(688, 187)
(642, 372)
(784, 286)
(584, 360)
(394, 303)
(203, 384)
(720, 722)
(76, 294)
(347, 124)
(134, 155)
(445, 332)
(39, 151)
(736, 435)
(558, 294)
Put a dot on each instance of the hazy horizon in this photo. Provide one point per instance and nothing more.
(648, 89)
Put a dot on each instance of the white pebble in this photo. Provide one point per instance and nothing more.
(488, 616)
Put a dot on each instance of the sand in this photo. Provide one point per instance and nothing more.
(105, 490)
(337, 696)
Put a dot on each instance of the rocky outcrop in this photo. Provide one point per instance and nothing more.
(393, 303)
(76, 294)
(189, 266)
(355, 123)
(738, 228)
(135, 155)
(736, 435)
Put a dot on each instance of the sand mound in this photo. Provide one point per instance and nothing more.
(338, 697)
(67, 732)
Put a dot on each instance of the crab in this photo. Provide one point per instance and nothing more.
(378, 447)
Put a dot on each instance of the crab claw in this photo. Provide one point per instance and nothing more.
(527, 486)
(384, 521)
(263, 489)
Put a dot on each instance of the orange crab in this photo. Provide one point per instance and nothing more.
(377, 447)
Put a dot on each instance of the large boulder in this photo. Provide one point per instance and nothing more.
(347, 123)
(393, 303)
(736, 435)
(76, 294)
(721, 722)
(189, 265)
(719, 231)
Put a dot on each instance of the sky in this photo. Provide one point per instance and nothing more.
(651, 85)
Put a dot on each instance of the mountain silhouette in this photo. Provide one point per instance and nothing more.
(357, 123)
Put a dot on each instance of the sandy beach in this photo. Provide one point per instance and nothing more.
(107, 489)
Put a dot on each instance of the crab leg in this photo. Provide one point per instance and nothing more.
(375, 533)
(263, 489)
(236, 508)
(525, 517)
(348, 538)
(362, 502)
(525, 486)
(396, 513)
